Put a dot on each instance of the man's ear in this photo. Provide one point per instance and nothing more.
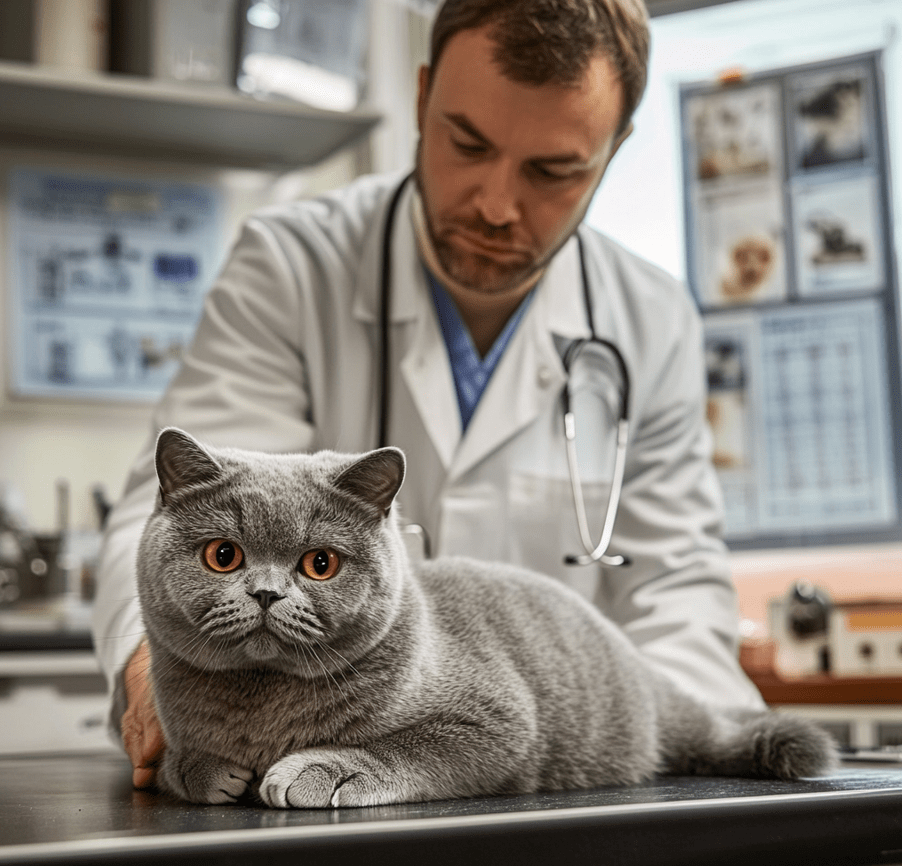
(423, 79)
(620, 139)
(614, 148)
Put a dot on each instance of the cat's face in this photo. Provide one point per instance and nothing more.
(285, 561)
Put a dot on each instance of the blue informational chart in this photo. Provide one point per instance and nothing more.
(107, 278)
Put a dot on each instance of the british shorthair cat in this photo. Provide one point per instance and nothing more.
(298, 655)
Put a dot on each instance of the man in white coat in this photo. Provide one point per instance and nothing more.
(490, 278)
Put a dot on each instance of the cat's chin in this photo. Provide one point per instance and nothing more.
(262, 646)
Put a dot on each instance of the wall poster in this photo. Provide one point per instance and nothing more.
(788, 236)
(107, 277)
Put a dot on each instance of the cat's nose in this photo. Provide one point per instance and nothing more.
(265, 597)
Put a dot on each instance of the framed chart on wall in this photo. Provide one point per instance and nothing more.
(789, 257)
(107, 278)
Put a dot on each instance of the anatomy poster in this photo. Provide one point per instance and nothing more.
(787, 236)
(108, 277)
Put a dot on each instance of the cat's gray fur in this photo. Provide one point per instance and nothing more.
(388, 683)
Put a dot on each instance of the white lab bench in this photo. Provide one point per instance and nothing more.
(51, 700)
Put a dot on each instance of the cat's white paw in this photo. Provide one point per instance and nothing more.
(205, 779)
(320, 778)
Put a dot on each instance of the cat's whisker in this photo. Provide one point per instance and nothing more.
(191, 653)
(119, 635)
(307, 623)
(290, 631)
(328, 673)
(219, 614)
(200, 643)
(300, 652)
(335, 652)
(194, 650)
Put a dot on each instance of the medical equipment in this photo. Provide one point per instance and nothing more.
(593, 552)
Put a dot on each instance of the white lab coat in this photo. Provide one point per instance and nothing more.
(286, 359)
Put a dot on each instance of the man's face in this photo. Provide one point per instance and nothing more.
(507, 170)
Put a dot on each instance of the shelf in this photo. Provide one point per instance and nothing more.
(48, 664)
(758, 659)
(130, 116)
(823, 689)
(45, 640)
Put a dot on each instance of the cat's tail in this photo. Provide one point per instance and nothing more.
(776, 745)
(760, 745)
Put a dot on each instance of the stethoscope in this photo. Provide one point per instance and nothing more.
(593, 552)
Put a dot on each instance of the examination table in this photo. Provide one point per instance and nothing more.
(80, 809)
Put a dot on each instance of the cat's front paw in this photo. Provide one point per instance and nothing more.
(319, 778)
(202, 778)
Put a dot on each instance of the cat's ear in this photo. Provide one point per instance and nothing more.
(182, 462)
(375, 478)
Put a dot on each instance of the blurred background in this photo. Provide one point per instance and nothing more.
(135, 135)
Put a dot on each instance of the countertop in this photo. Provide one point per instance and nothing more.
(77, 809)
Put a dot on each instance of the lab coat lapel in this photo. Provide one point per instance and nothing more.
(418, 355)
(530, 375)
(427, 374)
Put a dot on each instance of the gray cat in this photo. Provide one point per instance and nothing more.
(296, 654)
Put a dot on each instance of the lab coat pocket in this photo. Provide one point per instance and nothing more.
(544, 527)
(472, 521)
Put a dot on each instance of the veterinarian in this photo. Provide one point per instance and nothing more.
(481, 275)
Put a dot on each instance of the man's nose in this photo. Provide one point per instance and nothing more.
(497, 196)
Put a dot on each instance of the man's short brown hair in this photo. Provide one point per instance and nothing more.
(552, 41)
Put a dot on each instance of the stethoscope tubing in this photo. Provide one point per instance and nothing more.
(595, 552)
(384, 312)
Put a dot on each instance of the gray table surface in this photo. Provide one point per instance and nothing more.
(82, 809)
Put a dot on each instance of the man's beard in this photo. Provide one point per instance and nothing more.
(471, 270)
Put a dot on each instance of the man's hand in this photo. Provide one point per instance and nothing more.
(141, 732)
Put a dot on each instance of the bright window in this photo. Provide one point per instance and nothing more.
(640, 202)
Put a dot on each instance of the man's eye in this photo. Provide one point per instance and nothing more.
(469, 148)
(549, 174)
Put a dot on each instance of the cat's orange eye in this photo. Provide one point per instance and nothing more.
(223, 555)
(319, 564)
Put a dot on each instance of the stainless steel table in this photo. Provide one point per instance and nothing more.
(82, 809)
